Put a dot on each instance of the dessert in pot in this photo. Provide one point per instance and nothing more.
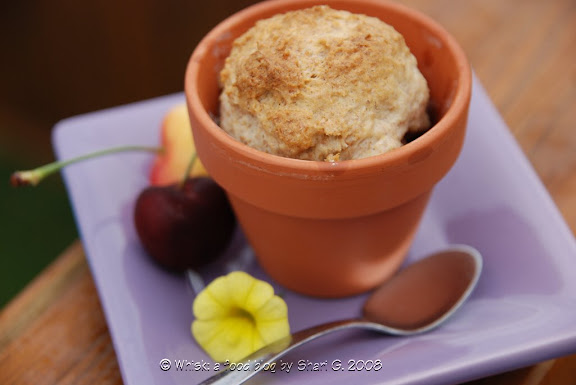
(301, 87)
(322, 84)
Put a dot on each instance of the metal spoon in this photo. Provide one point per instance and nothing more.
(417, 299)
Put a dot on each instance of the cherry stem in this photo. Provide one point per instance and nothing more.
(35, 176)
(189, 168)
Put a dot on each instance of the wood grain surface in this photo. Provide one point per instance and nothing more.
(523, 52)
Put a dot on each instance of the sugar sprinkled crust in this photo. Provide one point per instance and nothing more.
(322, 84)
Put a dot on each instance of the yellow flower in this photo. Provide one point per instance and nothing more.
(236, 315)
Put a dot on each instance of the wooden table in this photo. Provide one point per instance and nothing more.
(54, 332)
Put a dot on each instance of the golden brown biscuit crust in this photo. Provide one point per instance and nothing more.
(322, 84)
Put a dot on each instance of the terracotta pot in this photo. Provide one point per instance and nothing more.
(332, 229)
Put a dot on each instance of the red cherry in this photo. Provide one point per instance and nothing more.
(184, 226)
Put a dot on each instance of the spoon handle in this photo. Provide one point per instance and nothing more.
(261, 359)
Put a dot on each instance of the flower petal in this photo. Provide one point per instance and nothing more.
(271, 331)
(275, 308)
(212, 302)
(225, 339)
(206, 331)
(205, 307)
(239, 286)
(248, 292)
(272, 320)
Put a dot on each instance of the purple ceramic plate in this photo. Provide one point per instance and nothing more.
(523, 311)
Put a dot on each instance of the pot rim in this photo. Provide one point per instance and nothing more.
(297, 167)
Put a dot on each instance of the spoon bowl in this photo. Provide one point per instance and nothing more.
(417, 299)
(426, 293)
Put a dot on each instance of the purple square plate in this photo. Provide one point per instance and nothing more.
(523, 311)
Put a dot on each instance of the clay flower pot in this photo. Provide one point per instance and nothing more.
(332, 229)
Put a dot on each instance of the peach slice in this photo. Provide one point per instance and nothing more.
(178, 147)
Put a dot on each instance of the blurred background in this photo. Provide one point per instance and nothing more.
(62, 58)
